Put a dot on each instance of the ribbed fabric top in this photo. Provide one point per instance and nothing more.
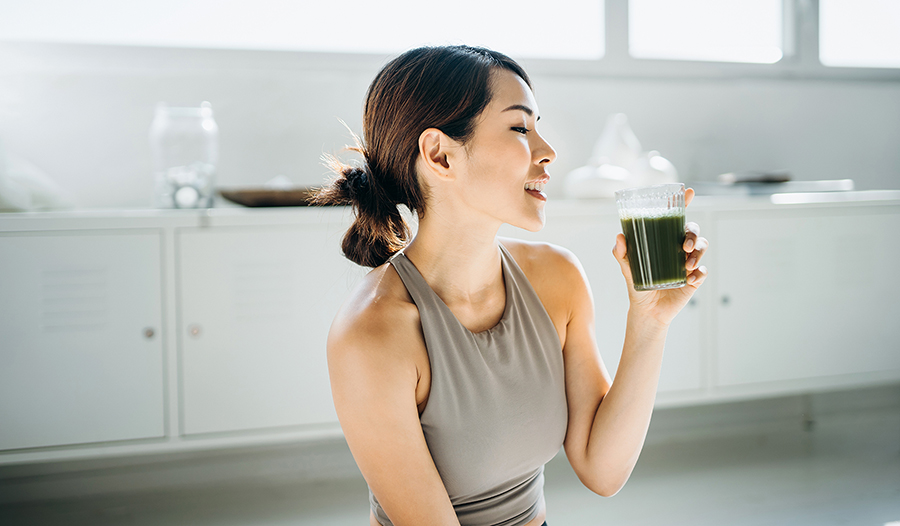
(496, 411)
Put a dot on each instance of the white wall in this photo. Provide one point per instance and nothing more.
(81, 113)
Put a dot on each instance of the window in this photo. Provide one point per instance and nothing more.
(852, 33)
(859, 33)
(571, 29)
(712, 30)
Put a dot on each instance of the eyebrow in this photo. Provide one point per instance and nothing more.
(524, 108)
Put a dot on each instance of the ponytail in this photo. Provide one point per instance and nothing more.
(378, 230)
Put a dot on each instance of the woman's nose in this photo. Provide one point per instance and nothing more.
(545, 153)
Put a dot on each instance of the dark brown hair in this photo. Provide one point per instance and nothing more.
(443, 87)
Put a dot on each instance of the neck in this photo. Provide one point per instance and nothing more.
(460, 259)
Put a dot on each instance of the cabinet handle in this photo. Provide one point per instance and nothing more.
(149, 332)
(726, 300)
(194, 330)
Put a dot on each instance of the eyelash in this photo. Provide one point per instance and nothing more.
(521, 129)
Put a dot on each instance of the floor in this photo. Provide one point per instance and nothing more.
(840, 469)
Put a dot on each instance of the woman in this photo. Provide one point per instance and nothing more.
(463, 361)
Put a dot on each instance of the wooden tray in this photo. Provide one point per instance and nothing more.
(258, 197)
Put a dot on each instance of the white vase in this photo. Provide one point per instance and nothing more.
(617, 144)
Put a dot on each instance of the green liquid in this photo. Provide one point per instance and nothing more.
(655, 251)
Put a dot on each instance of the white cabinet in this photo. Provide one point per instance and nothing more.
(806, 294)
(591, 236)
(151, 331)
(81, 355)
(256, 304)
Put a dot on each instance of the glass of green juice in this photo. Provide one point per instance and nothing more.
(653, 223)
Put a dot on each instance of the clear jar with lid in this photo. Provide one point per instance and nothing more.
(184, 142)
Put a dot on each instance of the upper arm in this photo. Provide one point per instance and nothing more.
(587, 380)
(373, 381)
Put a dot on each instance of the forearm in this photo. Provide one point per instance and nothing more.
(621, 422)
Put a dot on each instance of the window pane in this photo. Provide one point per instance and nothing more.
(719, 30)
(572, 29)
(859, 33)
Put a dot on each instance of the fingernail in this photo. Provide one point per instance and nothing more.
(692, 262)
(692, 279)
(689, 245)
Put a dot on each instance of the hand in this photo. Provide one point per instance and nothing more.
(663, 305)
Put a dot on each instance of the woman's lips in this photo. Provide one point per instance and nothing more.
(537, 195)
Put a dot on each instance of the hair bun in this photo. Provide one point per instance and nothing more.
(356, 184)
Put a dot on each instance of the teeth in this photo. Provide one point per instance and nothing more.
(535, 186)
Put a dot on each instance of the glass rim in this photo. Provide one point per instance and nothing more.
(625, 191)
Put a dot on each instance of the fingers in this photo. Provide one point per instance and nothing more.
(691, 233)
(694, 245)
(697, 277)
(693, 258)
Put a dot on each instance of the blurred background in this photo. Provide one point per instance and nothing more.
(799, 90)
(715, 87)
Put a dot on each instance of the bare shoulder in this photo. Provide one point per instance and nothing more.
(544, 262)
(556, 276)
(378, 323)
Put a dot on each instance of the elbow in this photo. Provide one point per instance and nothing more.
(604, 486)
(608, 490)
(603, 478)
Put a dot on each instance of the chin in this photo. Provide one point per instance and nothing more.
(532, 224)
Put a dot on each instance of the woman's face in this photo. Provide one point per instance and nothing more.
(503, 171)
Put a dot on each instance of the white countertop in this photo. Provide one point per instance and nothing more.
(229, 214)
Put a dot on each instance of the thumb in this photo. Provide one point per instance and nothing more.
(620, 253)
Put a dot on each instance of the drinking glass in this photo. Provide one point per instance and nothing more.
(653, 223)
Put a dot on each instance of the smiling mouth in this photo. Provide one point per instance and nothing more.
(536, 190)
(537, 185)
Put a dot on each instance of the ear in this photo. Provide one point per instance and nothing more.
(436, 153)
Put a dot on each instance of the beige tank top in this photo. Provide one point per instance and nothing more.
(496, 412)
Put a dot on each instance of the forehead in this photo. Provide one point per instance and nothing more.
(509, 89)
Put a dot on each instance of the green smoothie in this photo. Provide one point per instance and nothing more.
(655, 245)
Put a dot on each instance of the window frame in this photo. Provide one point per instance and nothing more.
(800, 60)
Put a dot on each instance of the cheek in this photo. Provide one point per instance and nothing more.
(508, 157)
(497, 168)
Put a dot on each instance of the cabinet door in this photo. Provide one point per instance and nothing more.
(591, 239)
(806, 294)
(256, 306)
(80, 345)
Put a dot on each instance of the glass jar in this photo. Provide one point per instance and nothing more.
(185, 147)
